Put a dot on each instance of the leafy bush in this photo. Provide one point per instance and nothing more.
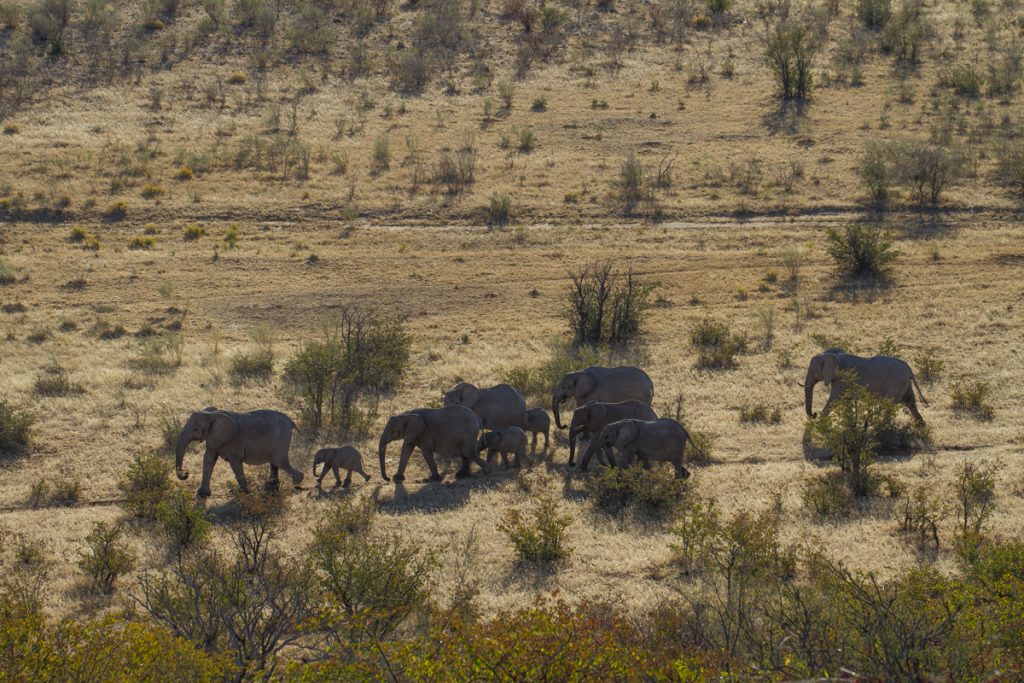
(963, 79)
(876, 171)
(141, 243)
(929, 365)
(259, 363)
(715, 344)
(374, 581)
(107, 556)
(8, 274)
(541, 537)
(117, 211)
(159, 355)
(48, 22)
(456, 171)
(184, 523)
(606, 305)
(357, 355)
(63, 493)
(921, 513)
(146, 484)
(874, 13)
(499, 209)
(927, 169)
(410, 72)
(696, 524)
(861, 251)
(79, 234)
(974, 487)
(972, 397)
(633, 185)
(642, 493)
(15, 428)
(828, 496)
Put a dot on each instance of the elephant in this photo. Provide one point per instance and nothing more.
(254, 438)
(333, 459)
(590, 418)
(450, 431)
(499, 406)
(883, 375)
(538, 422)
(608, 385)
(649, 440)
(509, 440)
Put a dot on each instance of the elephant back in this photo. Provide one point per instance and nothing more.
(625, 383)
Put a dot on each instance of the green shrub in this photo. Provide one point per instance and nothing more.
(927, 169)
(876, 171)
(147, 483)
(828, 496)
(861, 251)
(874, 13)
(107, 556)
(141, 243)
(606, 305)
(8, 274)
(79, 235)
(963, 79)
(358, 355)
(716, 345)
(499, 209)
(117, 211)
(972, 397)
(258, 365)
(310, 30)
(526, 140)
(929, 365)
(152, 190)
(540, 537)
(790, 50)
(921, 513)
(696, 525)
(184, 523)
(231, 236)
(633, 186)
(974, 488)
(410, 72)
(15, 428)
(645, 494)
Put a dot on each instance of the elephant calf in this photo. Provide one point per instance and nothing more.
(334, 459)
(509, 440)
(649, 440)
(538, 422)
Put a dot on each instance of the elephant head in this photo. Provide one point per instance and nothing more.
(619, 435)
(406, 426)
(319, 458)
(215, 428)
(489, 440)
(822, 368)
(572, 385)
(462, 394)
(583, 420)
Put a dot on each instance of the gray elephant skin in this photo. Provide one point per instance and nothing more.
(663, 439)
(499, 406)
(886, 376)
(590, 418)
(538, 422)
(510, 440)
(607, 385)
(335, 459)
(450, 431)
(258, 437)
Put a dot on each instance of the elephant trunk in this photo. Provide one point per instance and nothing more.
(179, 454)
(382, 450)
(554, 409)
(809, 398)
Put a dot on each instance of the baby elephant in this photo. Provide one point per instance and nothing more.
(508, 440)
(538, 422)
(345, 458)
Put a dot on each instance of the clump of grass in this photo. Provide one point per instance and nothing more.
(116, 211)
(237, 78)
(106, 331)
(8, 274)
(972, 397)
(231, 236)
(183, 173)
(526, 140)
(499, 209)
(538, 536)
(193, 232)
(54, 382)
(141, 243)
(152, 190)
(62, 493)
(929, 365)
(760, 413)
(184, 524)
(716, 345)
(539, 104)
(79, 234)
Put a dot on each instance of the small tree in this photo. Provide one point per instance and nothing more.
(541, 536)
(790, 49)
(606, 305)
(876, 171)
(926, 168)
(145, 485)
(107, 558)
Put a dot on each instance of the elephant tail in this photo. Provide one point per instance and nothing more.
(920, 393)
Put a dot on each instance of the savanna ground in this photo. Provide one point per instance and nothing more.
(316, 169)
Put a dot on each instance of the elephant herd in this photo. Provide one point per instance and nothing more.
(613, 413)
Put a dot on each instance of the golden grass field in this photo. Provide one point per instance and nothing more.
(389, 240)
(476, 282)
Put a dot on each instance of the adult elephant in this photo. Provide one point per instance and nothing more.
(450, 431)
(498, 407)
(886, 376)
(650, 440)
(258, 437)
(607, 385)
(590, 418)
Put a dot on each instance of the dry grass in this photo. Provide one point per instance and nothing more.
(433, 275)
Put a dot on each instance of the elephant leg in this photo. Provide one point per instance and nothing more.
(517, 463)
(910, 401)
(646, 464)
(545, 441)
(323, 473)
(464, 470)
(209, 460)
(682, 472)
(403, 461)
(273, 474)
(504, 458)
(348, 479)
(239, 469)
(297, 476)
(533, 442)
(428, 455)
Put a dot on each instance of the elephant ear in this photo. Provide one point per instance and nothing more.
(585, 384)
(470, 395)
(829, 367)
(222, 428)
(414, 426)
(627, 434)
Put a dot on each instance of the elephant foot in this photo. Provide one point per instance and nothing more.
(461, 474)
(202, 493)
(272, 485)
(399, 477)
(435, 477)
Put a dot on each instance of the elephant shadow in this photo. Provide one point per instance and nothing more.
(532, 576)
(816, 455)
(450, 494)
